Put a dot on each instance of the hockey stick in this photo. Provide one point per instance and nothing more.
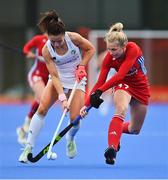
(11, 48)
(57, 139)
(18, 50)
(60, 122)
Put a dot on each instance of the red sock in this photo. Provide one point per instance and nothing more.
(33, 109)
(115, 131)
(125, 127)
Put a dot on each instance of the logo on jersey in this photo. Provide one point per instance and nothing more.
(73, 51)
(132, 71)
(44, 40)
(113, 133)
(57, 61)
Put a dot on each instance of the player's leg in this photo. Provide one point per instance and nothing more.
(138, 113)
(49, 96)
(37, 88)
(121, 103)
(76, 105)
(23, 129)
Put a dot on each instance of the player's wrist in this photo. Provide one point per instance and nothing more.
(81, 66)
(98, 92)
(62, 97)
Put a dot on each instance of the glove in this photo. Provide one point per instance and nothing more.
(80, 73)
(95, 99)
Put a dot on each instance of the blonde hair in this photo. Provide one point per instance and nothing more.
(116, 34)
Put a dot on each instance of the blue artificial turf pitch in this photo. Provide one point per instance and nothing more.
(140, 157)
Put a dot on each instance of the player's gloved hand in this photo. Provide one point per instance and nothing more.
(95, 99)
(80, 72)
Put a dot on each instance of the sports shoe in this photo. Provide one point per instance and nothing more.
(110, 155)
(26, 151)
(71, 150)
(21, 136)
(118, 148)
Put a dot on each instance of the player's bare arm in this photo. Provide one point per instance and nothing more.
(87, 48)
(52, 70)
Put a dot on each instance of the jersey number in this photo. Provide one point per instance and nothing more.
(125, 86)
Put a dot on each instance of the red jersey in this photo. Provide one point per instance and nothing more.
(39, 69)
(130, 76)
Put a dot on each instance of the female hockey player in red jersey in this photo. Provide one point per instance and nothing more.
(130, 87)
(37, 78)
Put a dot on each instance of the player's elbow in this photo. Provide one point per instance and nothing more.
(25, 51)
(54, 76)
(91, 51)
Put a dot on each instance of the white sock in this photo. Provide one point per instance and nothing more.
(36, 124)
(71, 133)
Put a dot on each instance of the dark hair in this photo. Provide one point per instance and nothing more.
(51, 23)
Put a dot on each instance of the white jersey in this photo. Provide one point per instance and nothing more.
(66, 64)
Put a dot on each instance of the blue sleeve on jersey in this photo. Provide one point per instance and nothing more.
(142, 65)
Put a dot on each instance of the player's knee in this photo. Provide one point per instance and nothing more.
(42, 110)
(73, 117)
(121, 109)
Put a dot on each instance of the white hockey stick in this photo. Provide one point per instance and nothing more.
(40, 58)
(49, 154)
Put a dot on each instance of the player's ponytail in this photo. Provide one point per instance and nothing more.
(116, 33)
(51, 23)
(116, 27)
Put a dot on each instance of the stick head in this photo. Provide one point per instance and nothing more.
(30, 157)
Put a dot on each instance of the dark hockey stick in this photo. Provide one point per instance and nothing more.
(58, 138)
(11, 48)
(17, 50)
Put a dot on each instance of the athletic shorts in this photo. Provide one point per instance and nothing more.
(36, 76)
(67, 86)
(141, 93)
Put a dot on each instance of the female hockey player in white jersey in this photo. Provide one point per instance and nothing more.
(65, 65)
